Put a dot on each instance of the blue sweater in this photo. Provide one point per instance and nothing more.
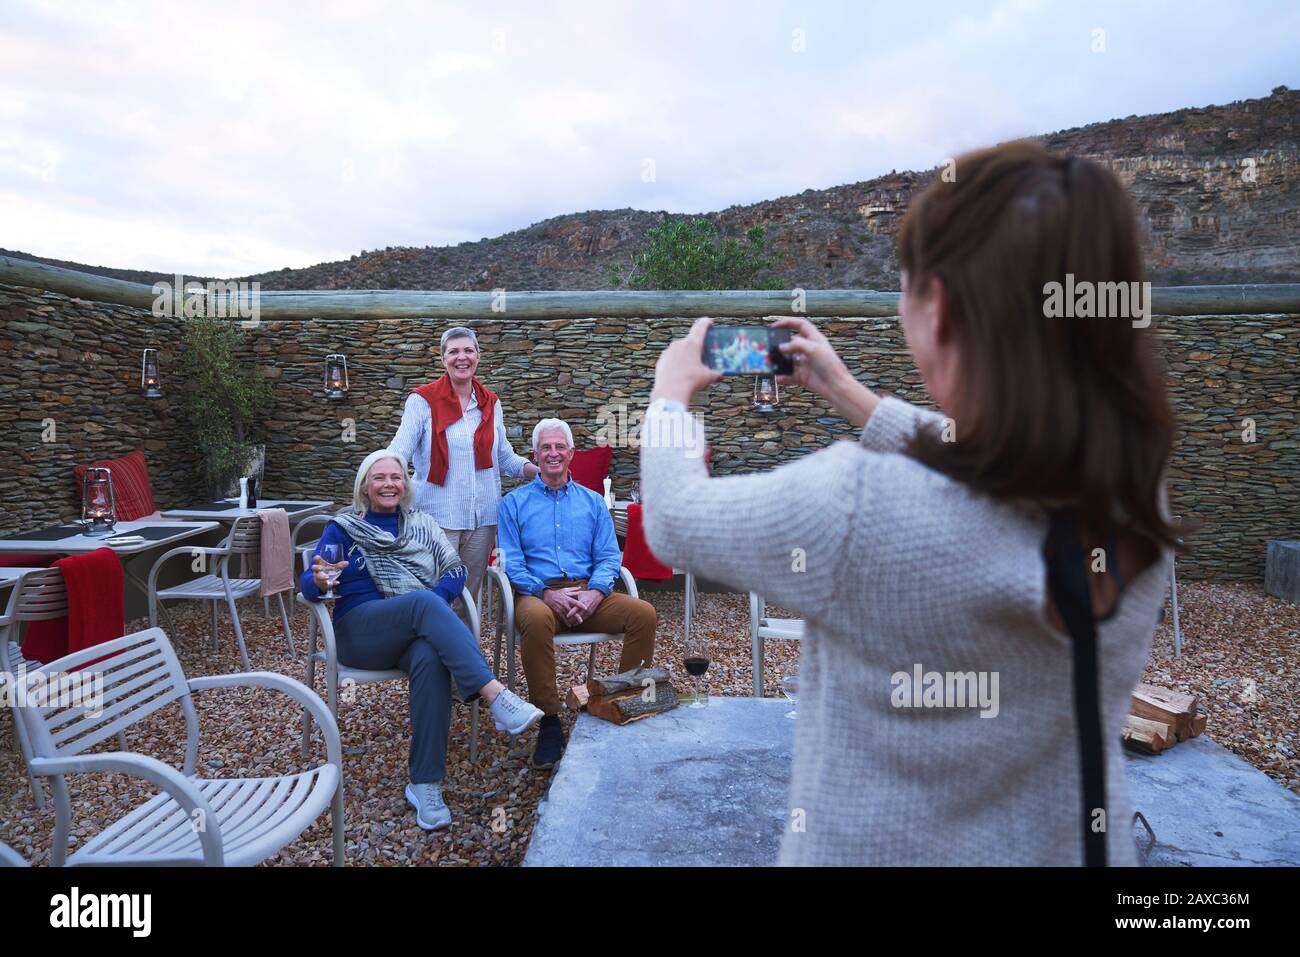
(355, 586)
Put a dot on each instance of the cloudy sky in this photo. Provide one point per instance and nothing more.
(226, 138)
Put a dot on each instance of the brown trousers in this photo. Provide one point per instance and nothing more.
(618, 613)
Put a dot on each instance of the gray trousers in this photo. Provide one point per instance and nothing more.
(420, 634)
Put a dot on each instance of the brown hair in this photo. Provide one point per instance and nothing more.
(1062, 411)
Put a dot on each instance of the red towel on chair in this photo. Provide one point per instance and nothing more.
(637, 557)
(94, 582)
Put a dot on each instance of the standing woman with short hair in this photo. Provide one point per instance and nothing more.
(1016, 545)
(454, 434)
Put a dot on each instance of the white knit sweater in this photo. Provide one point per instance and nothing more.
(893, 566)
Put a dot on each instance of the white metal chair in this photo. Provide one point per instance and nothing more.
(232, 821)
(245, 538)
(39, 595)
(321, 623)
(304, 549)
(762, 627)
(505, 624)
(11, 858)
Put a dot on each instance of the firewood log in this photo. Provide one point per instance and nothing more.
(1170, 707)
(635, 678)
(577, 697)
(1149, 737)
(631, 705)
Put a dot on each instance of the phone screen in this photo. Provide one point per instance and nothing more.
(746, 350)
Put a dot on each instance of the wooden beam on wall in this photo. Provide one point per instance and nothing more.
(1251, 299)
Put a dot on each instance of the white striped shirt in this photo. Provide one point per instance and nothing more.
(469, 496)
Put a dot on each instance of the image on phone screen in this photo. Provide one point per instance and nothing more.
(745, 350)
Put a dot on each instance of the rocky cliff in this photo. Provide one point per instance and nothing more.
(1217, 190)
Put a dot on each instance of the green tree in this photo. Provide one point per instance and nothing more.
(222, 397)
(693, 254)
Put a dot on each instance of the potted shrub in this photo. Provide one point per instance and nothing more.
(224, 399)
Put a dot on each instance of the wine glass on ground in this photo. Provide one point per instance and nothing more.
(332, 554)
(696, 659)
(790, 686)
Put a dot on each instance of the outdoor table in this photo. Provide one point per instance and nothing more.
(692, 787)
(229, 511)
(67, 539)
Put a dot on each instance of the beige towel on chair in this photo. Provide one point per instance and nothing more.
(277, 552)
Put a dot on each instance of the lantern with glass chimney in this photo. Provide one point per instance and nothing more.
(336, 375)
(150, 383)
(767, 395)
(98, 504)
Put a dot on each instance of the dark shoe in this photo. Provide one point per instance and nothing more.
(550, 742)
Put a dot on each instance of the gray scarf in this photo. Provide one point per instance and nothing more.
(417, 558)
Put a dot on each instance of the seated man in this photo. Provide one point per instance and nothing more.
(556, 541)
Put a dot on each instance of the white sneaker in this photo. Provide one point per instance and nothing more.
(513, 714)
(431, 812)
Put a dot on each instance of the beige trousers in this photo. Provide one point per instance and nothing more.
(474, 545)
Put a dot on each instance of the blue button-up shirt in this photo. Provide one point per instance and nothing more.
(548, 535)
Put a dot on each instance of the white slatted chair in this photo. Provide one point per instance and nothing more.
(303, 549)
(505, 624)
(212, 822)
(11, 858)
(245, 538)
(38, 595)
(321, 624)
(762, 627)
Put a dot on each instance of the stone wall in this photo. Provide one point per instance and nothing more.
(1223, 370)
(70, 394)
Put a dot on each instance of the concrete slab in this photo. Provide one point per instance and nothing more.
(689, 788)
(1209, 808)
(708, 787)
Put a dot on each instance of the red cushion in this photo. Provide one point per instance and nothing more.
(590, 467)
(131, 488)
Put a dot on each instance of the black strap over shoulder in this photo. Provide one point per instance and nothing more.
(1067, 581)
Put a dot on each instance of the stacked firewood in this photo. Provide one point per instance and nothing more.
(1159, 718)
(625, 697)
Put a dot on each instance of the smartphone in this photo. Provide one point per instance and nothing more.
(747, 350)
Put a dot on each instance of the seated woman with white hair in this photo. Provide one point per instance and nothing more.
(399, 578)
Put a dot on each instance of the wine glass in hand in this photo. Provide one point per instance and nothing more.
(696, 659)
(332, 554)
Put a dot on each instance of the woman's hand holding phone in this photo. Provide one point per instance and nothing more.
(818, 368)
(680, 371)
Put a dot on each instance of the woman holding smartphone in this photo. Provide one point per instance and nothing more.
(1016, 541)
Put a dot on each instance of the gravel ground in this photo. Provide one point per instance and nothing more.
(1234, 634)
(1241, 658)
